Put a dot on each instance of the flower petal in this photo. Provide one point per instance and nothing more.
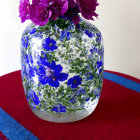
(62, 76)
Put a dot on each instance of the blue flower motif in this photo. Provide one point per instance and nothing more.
(34, 97)
(33, 31)
(89, 76)
(24, 69)
(89, 33)
(100, 70)
(87, 99)
(81, 91)
(51, 74)
(30, 58)
(73, 100)
(25, 41)
(75, 81)
(98, 39)
(99, 64)
(78, 26)
(31, 71)
(93, 50)
(42, 59)
(59, 109)
(65, 34)
(50, 44)
(27, 58)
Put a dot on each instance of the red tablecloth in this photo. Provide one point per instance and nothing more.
(117, 116)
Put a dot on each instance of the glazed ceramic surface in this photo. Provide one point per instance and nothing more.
(62, 69)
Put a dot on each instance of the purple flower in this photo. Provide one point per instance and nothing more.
(39, 14)
(87, 8)
(72, 12)
(49, 44)
(58, 7)
(24, 10)
(40, 11)
(75, 81)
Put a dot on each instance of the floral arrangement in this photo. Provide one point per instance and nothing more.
(40, 11)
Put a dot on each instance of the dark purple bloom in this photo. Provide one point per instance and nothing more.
(59, 109)
(24, 10)
(51, 74)
(72, 12)
(75, 81)
(49, 44)
(89, 33)
(58, 7)
(72, 4)
(87, 8)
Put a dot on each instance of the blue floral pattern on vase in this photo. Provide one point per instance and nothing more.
(51, 74)
(62, 67)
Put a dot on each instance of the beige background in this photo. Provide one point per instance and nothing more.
(119, 22)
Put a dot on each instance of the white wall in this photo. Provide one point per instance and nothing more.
(119, 22)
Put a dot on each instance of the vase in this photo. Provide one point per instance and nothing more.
(62, 69)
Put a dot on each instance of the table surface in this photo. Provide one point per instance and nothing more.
(117, 116)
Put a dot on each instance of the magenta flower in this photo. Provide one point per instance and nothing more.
(24, 10)
(87, 8)
(40, 11)
(72, 12)
(72, 4)
(39, 14)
